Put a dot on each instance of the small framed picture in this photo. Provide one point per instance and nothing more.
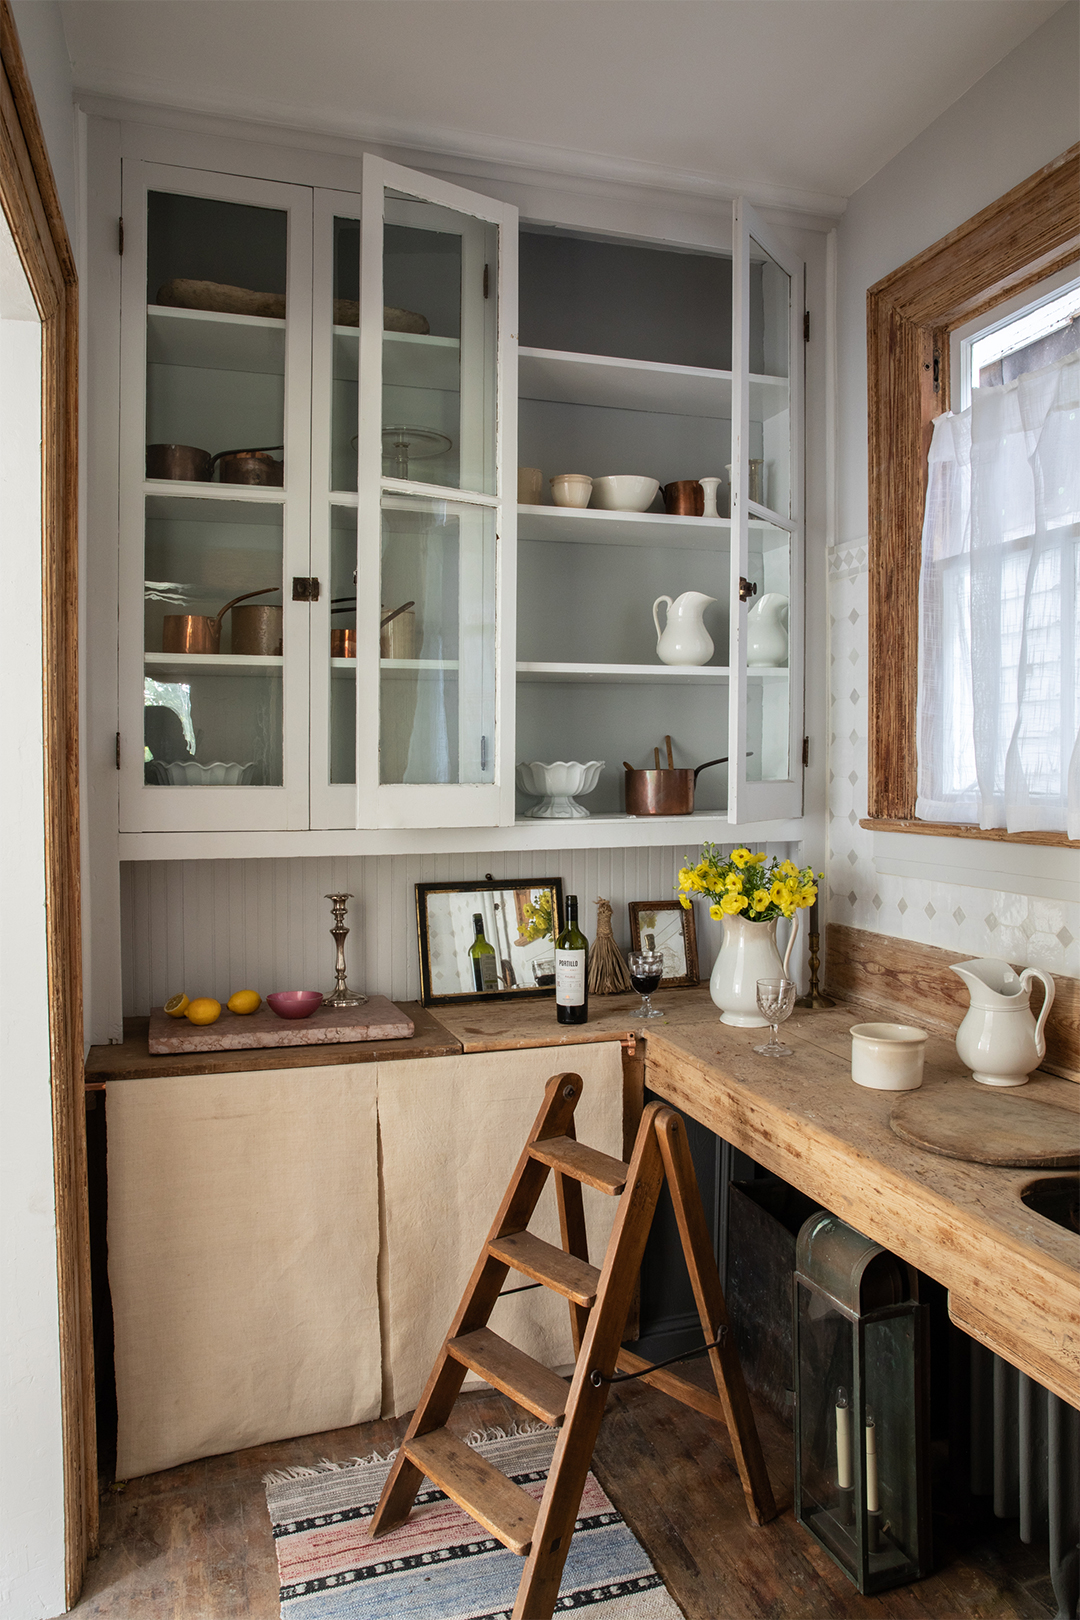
(671, 929)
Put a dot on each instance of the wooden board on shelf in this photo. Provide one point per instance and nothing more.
(377, 1020)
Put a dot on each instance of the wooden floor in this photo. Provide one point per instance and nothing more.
(194, 1543)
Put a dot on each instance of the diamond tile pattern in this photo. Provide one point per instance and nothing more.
(1026, 930)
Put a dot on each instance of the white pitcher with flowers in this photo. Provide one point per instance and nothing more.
(749, 893)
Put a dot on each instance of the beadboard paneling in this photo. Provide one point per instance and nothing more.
(211, 927)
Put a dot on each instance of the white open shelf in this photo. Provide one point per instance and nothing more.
(594, 527)
(400, 666)
(188, 490)
(641, 385)
(212, 341)
(185, 665)
(409, 359)
(626, 674)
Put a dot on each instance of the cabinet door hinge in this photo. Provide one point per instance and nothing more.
(487, 281)
(747, 589)
(305, 590)
(806, 326)
(120, 236)
(937, 371)
(806, 750)
(118, 750)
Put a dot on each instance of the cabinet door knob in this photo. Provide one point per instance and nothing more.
(305, 590)
(747, 589)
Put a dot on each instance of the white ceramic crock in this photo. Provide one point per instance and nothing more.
(887, 1057)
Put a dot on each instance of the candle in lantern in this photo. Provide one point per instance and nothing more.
(873, 1502)
(843, 1440)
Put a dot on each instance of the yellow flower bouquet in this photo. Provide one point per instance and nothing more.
(747, 885)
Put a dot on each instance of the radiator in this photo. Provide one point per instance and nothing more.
(1025, 1453)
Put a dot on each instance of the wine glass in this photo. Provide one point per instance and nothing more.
(646, 971)
(775, 999)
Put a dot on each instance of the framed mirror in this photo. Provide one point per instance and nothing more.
(665, 926)
(487, 941)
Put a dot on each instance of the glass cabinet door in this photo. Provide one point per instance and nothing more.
(765, 691)
(435, 437)
(213, 502)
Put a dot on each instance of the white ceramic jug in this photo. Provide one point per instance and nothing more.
(684, 638)
(999, 1039)
(767, 632)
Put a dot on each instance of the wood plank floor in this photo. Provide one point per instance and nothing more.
(194, 1543)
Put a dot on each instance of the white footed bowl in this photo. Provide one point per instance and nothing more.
(887, 1057)
(624, 492)
(556, 784)
(189, 773)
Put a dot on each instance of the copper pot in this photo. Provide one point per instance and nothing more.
(251, 467)
(179, 461)
(343, 643)
(663, 792)
(258, 630)
(685, 498)
(198, 632)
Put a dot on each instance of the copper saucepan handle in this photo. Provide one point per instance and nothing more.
(404, 608)
(263, 592)
(707, 763)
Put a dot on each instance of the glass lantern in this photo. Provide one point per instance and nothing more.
(861, 1446)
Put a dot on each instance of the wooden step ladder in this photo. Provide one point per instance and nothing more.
(600, 1302)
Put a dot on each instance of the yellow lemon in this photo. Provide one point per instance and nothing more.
(204, 1010)
(245, 1001)
(177, 1006)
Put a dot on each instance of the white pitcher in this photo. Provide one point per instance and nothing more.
(999, 1039)
(684, 638)
(767, 632)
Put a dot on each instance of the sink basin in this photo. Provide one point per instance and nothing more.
(1057, 1198)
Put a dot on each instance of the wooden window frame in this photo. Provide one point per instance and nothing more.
(31, 206)
(1023, 237)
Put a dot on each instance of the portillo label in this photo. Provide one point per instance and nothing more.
(570, 978)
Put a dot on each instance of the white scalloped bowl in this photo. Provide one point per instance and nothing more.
(556, 784)
(189, 773)
(624, 492)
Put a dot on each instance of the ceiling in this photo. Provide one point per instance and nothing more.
(797, 102)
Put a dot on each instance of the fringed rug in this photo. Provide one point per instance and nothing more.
(440, 1565)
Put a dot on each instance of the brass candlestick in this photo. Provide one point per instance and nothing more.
(341, 995)
(815, 997)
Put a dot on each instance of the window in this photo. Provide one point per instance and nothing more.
(998, 599)
(1031, 233)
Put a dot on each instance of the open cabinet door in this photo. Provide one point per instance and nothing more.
(437, 453)
(765, 720)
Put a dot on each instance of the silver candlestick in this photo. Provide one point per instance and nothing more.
(341, 995)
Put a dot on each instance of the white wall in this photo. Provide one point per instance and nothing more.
(1020, 116)
(31, 1481)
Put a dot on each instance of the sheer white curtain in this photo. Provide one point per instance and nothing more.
(999, 610)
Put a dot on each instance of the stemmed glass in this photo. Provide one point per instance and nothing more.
(775, 999)
(646, 971)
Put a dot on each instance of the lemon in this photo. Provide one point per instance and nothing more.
(177, 1006)
(204, 1010)
(245, 1001)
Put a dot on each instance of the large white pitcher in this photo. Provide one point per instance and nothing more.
(684, 638)
(999, 1039)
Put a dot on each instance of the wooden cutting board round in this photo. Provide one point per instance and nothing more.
(988, 1127)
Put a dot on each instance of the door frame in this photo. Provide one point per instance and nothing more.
(31, 204)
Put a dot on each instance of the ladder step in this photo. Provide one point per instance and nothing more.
(477, 1486)
(532, 1385)
(583, 1163)
(544, 1263)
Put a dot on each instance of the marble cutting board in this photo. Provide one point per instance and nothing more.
(377, 1020)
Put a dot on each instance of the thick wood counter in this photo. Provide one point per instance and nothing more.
(1012, 1275)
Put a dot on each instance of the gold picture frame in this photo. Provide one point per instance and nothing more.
(674, 931)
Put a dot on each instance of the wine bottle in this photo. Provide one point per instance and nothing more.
(571, 989)
(485, 970)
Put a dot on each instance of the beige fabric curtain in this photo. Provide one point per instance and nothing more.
(451, 1131)
(243, 1256)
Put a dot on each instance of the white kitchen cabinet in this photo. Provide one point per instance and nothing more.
(522, 633)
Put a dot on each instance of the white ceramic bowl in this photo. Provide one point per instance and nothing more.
(887, 1057)
(571, 489)
(189, 773)
(624, 492)
(556, 784)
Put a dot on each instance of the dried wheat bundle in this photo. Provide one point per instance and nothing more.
(608, 973)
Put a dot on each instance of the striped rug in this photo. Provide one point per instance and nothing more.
(440, 1565)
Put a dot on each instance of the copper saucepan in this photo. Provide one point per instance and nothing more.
(198, 632)
(251, 466)
(661, 792)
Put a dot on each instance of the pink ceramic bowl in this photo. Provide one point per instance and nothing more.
(294, 1003)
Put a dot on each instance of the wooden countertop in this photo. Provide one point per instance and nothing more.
(132, 1059)
(1011, 1273)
